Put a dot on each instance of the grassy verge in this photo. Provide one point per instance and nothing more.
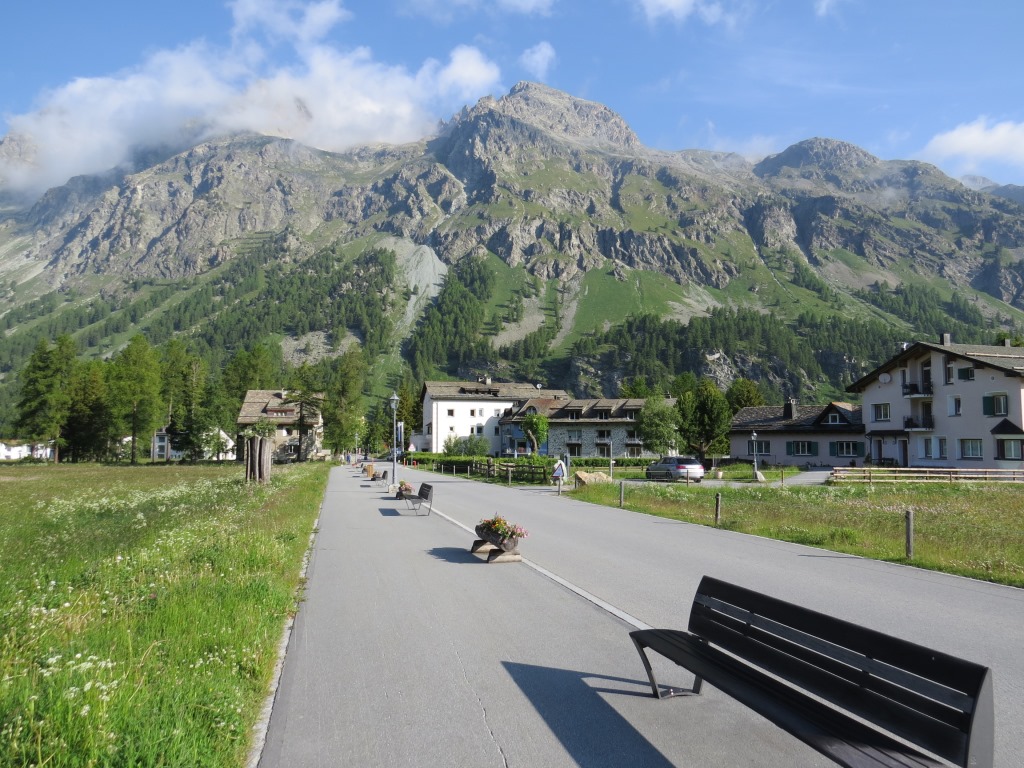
(141, 608)
(966, 529)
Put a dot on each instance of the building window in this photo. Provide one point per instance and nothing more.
(631, 415)
(1009, 449)
(970, 448)
(574, 435)
(497, 411)
(950, 371)
(574, 415)
(965, 374)
(760, 447)
(472, 412)
(451, 428)
(942, 447)
(846, 449)
(604, 434)
(834, 418)
(602, 415)
(574, 449)
(995, 405)
(926, 448)
(604, 450)
(954, 406)
(451, 412)
(634, 451)
(497, 430)
(802, 448)
(880, 412)
(479, 429)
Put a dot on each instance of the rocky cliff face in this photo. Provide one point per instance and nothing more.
(546, 181)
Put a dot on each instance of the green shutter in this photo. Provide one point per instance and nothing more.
(814, 449)
(988, 406)
(833, 449)
(860, 449)
(789, 447)
(963, 374)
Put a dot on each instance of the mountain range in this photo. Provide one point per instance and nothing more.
(580, 225)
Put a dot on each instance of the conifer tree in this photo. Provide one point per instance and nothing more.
(45, 402)
(134, 386)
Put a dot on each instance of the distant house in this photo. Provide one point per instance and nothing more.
(274, 406)
(162, 450)
(594, 428)
(463, 408)
(16, 450)
(792, 434)
(946, 405)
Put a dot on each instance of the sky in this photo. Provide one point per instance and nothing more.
(91, 84)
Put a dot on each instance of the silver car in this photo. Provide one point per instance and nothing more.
(676, 468)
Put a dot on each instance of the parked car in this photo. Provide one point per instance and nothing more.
(676, 468)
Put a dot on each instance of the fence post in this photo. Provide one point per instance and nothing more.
(509, 471)
(782, 474)
(718, 509)
(622, 494)
(910, 534)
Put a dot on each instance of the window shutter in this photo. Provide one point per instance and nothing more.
(963, 373)
(988, 405)
(789, 447)
(814, 449)
(860, 449)
(833, 449)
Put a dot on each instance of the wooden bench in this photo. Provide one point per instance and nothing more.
(424, 494)
(854, 694)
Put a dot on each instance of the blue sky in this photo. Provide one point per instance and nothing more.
(933, 80)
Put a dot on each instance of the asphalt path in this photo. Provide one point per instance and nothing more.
(408, 650)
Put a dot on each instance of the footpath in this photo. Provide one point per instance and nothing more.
(408, 650)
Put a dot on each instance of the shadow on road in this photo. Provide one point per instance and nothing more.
(592, 732)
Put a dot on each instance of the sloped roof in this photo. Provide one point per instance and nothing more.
(805, 418)
(259, 402)
(475, 390)
(1009, 360)
(585, 410)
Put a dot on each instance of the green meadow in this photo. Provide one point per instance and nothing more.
(967, 529)
(141, 609)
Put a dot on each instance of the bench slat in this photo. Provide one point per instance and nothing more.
(799, 668)
(843, 739)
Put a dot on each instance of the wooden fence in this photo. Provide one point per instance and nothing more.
(926, 475)
(507, 471)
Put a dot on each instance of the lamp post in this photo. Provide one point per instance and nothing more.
(394, 436)
(753, 446)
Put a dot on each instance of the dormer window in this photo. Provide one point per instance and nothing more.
(834, 418)
(603, 415)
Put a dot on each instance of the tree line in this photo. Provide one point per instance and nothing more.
(103, 410)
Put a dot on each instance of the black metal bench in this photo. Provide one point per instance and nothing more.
(854, 694)
(424, 494)
(381, 477)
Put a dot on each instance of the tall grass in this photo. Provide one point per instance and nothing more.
(140, 609)
(967, 529)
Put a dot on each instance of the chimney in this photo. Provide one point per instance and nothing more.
(789, 410)
(946, 340)
(1007, 342)
(487, 381)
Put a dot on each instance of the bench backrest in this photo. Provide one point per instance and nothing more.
(426, 491)
(941, 703)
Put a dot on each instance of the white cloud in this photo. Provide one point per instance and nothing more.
(977, 142)
(825, 7)
(324, 97)
(538, 59)
(447, 10)
(709, 11)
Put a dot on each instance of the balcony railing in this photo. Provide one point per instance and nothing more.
(913, 389)
(919, 422)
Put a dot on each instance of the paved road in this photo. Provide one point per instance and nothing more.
(410, 651)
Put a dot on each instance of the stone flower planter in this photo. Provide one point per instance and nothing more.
(499, 549)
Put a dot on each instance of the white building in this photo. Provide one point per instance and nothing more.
(15, 451)
(464, 408)
(946, 405)
(162, 450)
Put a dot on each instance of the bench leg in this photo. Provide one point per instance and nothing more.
(666, 692)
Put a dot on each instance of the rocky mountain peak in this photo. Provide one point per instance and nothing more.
(818, 157)
(559, 114)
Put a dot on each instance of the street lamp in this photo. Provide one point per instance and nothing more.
(394, 436)
(753, 446)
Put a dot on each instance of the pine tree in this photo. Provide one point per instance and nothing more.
(134, 388)
(45, 402)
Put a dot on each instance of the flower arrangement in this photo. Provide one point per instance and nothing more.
(499, 526)
(404, 486)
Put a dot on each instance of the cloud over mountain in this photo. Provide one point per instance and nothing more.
(322, 96)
